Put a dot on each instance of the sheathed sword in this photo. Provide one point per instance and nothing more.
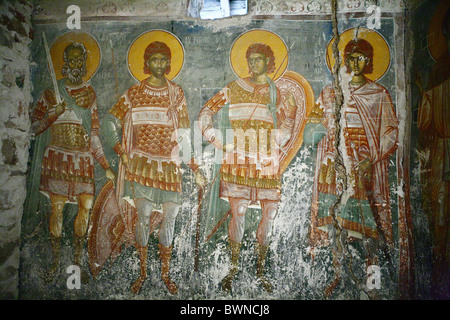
(221, 221)
(51, 69)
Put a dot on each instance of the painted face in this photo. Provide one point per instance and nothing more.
(258, 63)
(76, 65)
(357, 63)
(158, 64)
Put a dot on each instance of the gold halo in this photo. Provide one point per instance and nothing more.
(94, 54)
(437, 43)
(240, 45)
(381, 52)
(135, 58)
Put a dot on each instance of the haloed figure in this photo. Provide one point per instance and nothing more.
(249, 177)
(150, 114)
(72, 131)
(370, 131)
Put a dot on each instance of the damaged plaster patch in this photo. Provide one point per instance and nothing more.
(341, 177)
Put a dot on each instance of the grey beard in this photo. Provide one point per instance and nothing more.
(66, 71)
(74, 78)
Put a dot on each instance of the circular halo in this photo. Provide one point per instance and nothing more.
(437, 44)
(240, 45)
(94, 54)
(381, 52)
(135, 57)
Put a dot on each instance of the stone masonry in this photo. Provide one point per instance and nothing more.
(15, 102)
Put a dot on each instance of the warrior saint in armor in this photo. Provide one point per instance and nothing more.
(70, 132)
(370, 132)
(145, 128)
(250, 172)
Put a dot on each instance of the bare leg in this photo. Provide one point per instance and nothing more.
(332, 234)
(56, 218)
(166, 229)
(372, 260)
(85, 202)
(144, 209)
(238, 209)
(55, 228)
(269, 211)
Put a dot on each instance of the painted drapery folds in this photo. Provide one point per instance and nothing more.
(66, 123)
(180, 160)
(433, 121)
(369, 136)
(255, 107)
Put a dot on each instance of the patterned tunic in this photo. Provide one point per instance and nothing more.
(150, 118)
(68, 162)
(370, 131)
(252, 169)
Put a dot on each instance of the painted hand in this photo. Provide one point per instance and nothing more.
(365, 173)
(282, 137)
(60, 108)
(291, 100)
(124, 159)
(200, 179)
(228, 148)
(286, 137)
(110, 174)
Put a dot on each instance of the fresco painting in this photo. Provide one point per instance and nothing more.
(254, 106)
(145, 133)
(370, 136)
(174, 160)
(67, 127)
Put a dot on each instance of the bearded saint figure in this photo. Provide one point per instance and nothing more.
(69, 132)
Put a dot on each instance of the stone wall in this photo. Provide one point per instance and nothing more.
(15, 101)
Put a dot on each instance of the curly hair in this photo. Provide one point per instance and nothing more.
(74, 45)
(361, 46)
(156, 47)
(266, 51)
